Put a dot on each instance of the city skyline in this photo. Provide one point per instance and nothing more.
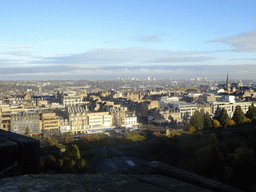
(107, 39)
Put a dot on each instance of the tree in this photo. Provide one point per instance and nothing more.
(216, 123)
(191, 128)
(238, 115)
(52, 141)
(247, 120)
(207, 120)
(197, 121)
(68, 137)
(251, 113)
(223, 118)
(231, 122)
(27, 132)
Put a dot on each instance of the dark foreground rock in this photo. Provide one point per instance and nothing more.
(149, 177)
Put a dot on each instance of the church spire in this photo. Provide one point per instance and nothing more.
(227, 80)
(227, 85)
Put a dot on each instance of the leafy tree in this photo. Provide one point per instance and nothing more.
(216, 123)
(251, 113)
(68, 137)
(223, 118)
(207, 120)
(238, 116)
(69, 162)
(197, 121)
(191, 128)
(35, 137)
(27, 132)
(52, 141)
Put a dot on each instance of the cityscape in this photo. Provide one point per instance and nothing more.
(143, 95)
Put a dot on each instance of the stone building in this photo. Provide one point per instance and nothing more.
(118, 115)
(41, 102)
(81, 121)
(206, 98)
(49, 122)
(230, 107)
(203, 108)
(71, 100)
(22, 120)
(77, 119)
(130, 120)
(186, 109)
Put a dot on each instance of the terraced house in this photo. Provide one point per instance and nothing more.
(19, 121)
(82, 121)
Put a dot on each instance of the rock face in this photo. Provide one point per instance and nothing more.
(153, 176)
(20, 153)
(63, 182)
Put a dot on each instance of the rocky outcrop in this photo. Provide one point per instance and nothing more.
(153, 176)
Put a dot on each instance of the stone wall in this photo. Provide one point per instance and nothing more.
(19, 154)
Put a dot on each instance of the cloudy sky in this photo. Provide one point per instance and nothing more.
(106, 39)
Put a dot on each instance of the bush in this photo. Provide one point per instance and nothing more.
(212, 139)
(191, 128)
(216, 123)
(232, 144)
(231, 123)
(69, 162)
(72, 153)
(51, 141)
(247, 120)
(68, 137)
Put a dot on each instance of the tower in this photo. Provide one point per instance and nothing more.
(227, 82)
(227, 85)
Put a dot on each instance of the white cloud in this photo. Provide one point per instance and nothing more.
(17, 52)
(124, 56)
(244, 42)
(146, 38)
(23, 47)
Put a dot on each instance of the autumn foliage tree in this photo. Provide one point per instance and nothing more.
(191, 128)
(231, 122)
(216, 123)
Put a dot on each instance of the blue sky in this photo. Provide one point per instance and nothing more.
(106, 39)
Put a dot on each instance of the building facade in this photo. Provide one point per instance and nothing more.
(71, 100)
(22, 120)
(49, 122)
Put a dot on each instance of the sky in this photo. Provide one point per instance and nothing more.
(107, 39)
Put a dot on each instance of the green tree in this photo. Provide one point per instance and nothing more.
(52, 141)
(238, 115)
(207, 120)
(197, 121)
(251, 113)
(223, 118)
(27, 132)
(68, 137)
